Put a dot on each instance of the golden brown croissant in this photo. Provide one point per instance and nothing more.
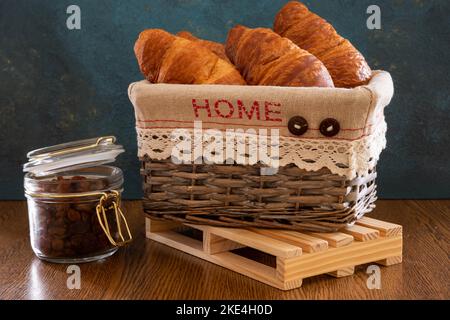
(215, 47)
(165, 58)
(346, 65)
(265, 58)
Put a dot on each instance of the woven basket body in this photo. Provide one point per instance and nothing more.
(309, 195)
(236, 196)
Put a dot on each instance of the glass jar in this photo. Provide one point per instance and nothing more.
(74, 201)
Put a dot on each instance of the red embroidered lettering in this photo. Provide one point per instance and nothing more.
(269, 111)
(254, 109)
(196, 107)
(230, 107)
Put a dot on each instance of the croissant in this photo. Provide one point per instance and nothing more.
(347, 66)
(215, 47)
(165, 58)
(265, 58)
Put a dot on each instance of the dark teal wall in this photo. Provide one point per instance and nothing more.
(58, 85)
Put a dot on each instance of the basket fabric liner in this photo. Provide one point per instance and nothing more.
(161, 108)
(322, 184)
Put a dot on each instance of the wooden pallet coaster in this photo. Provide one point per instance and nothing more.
(297, 255)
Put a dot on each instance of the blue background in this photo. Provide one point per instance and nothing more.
(59, 85)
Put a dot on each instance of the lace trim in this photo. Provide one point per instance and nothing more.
(345, 158)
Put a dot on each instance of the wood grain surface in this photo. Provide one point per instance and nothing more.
(148, 270)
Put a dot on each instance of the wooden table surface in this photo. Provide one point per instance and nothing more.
(148, 270)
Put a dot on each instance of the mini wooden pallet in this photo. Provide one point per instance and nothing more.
(297, 255)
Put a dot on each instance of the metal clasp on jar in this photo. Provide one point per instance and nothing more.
(111, 201)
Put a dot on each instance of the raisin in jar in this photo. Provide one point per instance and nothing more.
(74, 201)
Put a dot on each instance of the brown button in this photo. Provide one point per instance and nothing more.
(297, 125)
(329, 127)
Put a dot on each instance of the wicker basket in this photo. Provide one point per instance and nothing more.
(231, 195)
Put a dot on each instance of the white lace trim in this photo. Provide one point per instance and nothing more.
(342, 157)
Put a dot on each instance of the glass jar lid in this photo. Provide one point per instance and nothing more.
(72, 155)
